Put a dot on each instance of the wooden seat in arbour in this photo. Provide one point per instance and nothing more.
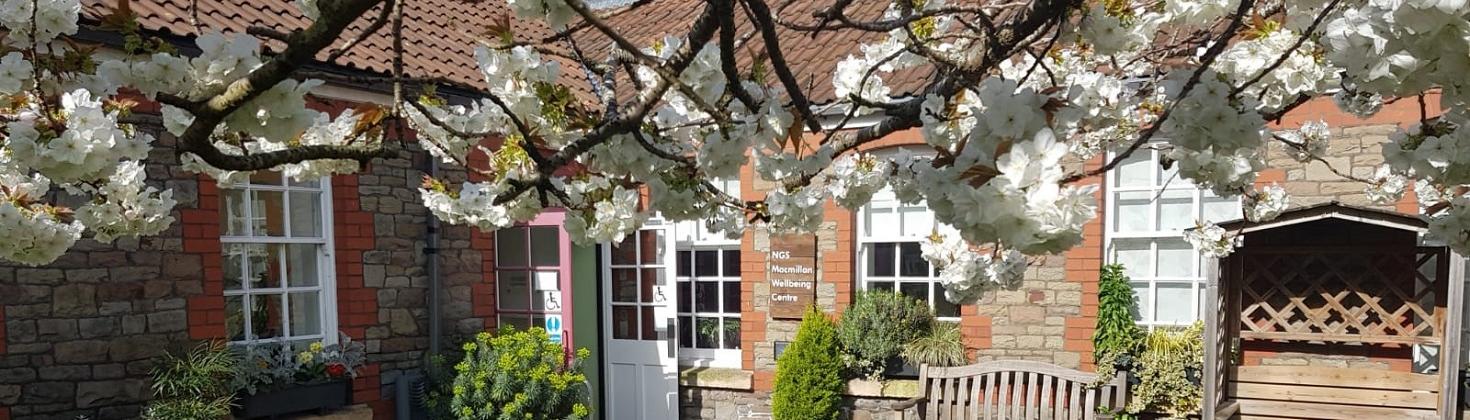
(1333, 311)
(1013, 390)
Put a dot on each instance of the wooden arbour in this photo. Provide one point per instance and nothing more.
(1320, 283)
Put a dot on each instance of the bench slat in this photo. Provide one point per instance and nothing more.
(1343, 377)
(1325, 394)
(1014, 390)
(1329, 411)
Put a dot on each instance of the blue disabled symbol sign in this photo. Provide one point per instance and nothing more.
(553, 327)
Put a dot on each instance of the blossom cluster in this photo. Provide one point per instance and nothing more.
(968, 274)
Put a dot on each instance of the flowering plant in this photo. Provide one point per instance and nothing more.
(273, 366)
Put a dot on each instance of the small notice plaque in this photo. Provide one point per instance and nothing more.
(793, 275)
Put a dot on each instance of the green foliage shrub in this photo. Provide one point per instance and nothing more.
(1168, 371)
(809, 379)
(1116, 338)
(943, 346)
(519, 375)
(192, 384)
(877, 327)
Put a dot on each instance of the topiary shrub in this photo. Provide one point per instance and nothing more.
(875, 330)
(809, 379)
(1116, 338)
(519, 375)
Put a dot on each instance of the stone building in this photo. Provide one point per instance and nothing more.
(77, 335)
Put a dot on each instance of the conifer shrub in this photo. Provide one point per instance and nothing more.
(1116, 338)
(519, 375)
(809, 379)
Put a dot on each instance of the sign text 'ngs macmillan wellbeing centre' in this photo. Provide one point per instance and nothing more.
(793, 275)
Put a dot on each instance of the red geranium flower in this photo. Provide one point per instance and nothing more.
(336, 369)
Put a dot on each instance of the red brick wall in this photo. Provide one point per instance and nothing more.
(1083, 263)
(357, 304)
(201, 237)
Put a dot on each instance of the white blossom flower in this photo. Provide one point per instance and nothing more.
(1266, 203)
(1212, 240)
(15, 73)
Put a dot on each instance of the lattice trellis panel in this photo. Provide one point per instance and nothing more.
(1343, 295)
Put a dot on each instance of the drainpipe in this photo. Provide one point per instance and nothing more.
(431, 248)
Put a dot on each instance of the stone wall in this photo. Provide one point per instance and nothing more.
(725, 404)
(78, 335)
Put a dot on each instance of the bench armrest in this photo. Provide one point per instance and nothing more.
(906, 404)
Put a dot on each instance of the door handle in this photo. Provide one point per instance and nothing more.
(671, 333)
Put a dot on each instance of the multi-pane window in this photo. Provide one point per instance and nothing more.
(889, 240)
(277, 264)
(1149, 209)
(709, 298)
(528, 266)
(707, 273)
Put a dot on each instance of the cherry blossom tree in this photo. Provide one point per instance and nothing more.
(1013, 95)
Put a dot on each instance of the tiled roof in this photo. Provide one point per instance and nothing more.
(439, 35)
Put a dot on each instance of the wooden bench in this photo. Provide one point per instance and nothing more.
(1012, 390)
(1313, 392)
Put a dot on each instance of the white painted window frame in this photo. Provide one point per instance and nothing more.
(865, 238)
(1149, 317)
(326, 262)
(692, 236)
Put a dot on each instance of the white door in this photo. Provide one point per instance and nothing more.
(642, 372)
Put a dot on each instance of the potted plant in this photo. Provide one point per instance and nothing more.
(191, 385)
(276, 379)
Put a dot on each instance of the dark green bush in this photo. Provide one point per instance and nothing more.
(1116, 334)
(519, 375)
(809, 373)
(875, 330)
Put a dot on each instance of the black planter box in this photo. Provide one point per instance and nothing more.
(898, 368)
(318, 398)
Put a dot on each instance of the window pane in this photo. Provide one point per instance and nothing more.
(265, 265)
(686, 332)
(685, 297)
(911, 260)
(1145, 303)
(235, 318)
(1176, 259)
(232, 213)
(882, 223)
(650, 329)
(513, 290)
(307, 183)
(301, 265)
(1131, 212)
(707, 296)
(917, 221)
(625, 322)
(707, 333)
(521, 322)
(650, 246)
(545, 246)
(265, 316)
(1218, 209)
(1169, 178)
(510, 247)
(1136, 170)
(682, 263)
(731, 297)
(651, 278)
(881, 259)
(881, 285)
(626, 252)
(306, 313)
(732, 333)
(918, 291)
(706, 263)
(1176, 210)
(942, 306)
(625, 285)
(266, 209)
(234, 265)
(306, 214)
(1175, 303)
(1133, 254)
(731, 265)
(266, 178)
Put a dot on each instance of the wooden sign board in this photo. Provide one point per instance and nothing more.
(792, 271)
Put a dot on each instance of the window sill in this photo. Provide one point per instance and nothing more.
(719, 378)
(889, 388)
